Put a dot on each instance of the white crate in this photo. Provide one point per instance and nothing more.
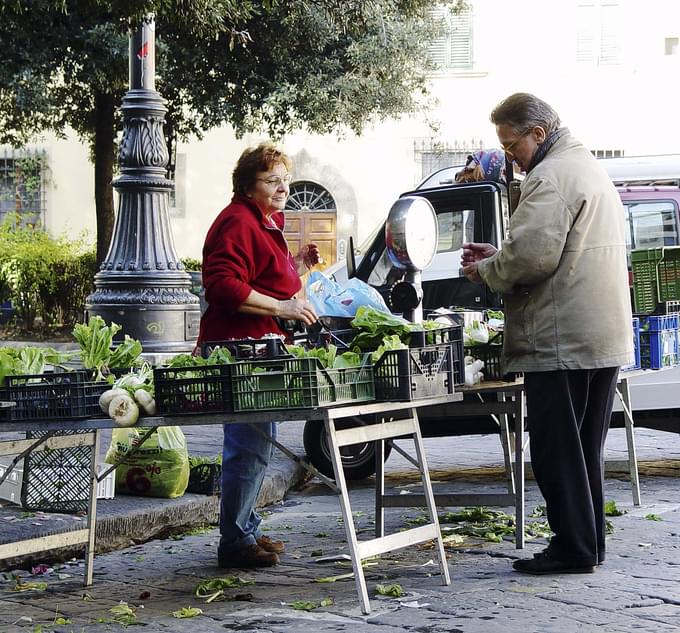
(10, 490)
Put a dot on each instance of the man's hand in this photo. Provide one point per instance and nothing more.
(473, 253)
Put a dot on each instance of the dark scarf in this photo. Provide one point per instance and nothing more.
(545, 146)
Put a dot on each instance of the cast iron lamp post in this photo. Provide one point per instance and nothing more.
(141, 283)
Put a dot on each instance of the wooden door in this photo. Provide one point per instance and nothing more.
(303, 227)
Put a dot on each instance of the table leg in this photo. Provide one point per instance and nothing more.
(92, 511)
(346, 510)
(379, 488)
(623, 392)
(506, 443)
(429, 498)
(519, 469)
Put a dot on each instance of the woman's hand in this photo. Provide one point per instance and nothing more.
(307, 257)
(298, 309)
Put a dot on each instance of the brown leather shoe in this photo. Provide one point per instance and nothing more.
(269, 545)
(248, 556)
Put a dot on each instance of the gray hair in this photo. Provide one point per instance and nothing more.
(523, 111)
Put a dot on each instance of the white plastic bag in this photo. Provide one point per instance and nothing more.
(329, 298)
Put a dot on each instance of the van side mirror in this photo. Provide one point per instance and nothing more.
(350, 262)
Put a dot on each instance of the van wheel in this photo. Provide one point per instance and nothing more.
(358, 460)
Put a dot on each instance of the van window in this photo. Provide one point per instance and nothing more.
(455, 228)
(651, 224)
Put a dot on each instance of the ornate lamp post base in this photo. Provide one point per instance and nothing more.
(141, 284)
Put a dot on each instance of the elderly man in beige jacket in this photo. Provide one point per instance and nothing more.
(562, 271)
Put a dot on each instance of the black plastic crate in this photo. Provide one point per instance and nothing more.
(414, 373)
(250, 348)
(48, 396)
(91, 393)
(57, 480)
(4, 410)
(491, 354)
(452, 334)
(193, 390)
(298, 383)
(205, 479)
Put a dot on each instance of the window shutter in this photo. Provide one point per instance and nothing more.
(461, 40)
(585, 33)
(610, 34)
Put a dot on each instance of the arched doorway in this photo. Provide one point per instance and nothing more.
(311, 216)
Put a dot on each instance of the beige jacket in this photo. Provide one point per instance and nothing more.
(563, 269)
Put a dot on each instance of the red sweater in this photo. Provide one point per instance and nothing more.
(244, 252)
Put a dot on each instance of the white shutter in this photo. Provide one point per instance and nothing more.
(461, 40)
(585, 32)
(610, 35)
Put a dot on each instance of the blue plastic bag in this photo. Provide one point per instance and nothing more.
(329, 298)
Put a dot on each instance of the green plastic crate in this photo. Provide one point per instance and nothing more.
(298, 383)
(656, 277)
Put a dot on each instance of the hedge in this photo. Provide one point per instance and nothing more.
(44, 277)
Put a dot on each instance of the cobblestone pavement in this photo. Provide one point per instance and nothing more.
(636, 589)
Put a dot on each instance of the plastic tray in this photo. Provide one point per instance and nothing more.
(48, 396)
(414, 373)
(193, 390)
(298, 383)
(659, 341)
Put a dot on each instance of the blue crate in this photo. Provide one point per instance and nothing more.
(659, 341)
(636, 346)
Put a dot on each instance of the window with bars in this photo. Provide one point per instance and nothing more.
(433, 155)
(598, 33)
(22, 190)
(453, 51)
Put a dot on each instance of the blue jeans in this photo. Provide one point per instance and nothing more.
(245, 457)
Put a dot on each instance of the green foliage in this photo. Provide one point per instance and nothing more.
(43, 276)
(260, 66)
(191, 264)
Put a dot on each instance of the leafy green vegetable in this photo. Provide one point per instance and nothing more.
(96, 340)
(308, 605)
(653, 517)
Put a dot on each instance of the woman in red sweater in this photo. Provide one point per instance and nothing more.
(251, 280)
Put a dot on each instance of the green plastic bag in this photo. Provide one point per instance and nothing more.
(160, 468)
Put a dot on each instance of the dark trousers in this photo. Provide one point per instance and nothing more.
(568, 417)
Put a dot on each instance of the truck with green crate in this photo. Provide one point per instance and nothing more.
(650, 192)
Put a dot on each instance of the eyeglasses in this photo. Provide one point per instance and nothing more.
(275, 181)
(507, 148)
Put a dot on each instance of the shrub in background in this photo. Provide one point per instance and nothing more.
(44, 277)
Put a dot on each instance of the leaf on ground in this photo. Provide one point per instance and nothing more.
(653, 517)
(334, 578)
(611, 510)
(394, 591)
(187, 612)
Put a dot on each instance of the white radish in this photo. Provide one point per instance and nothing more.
(107, 396)
(123, 410)
(145, 401)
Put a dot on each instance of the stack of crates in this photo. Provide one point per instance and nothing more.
(636, 346)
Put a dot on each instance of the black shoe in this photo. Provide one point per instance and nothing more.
(542, 564)
(248, 556)
(600, 557)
